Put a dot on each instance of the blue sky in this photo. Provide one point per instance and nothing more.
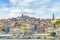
(34, 8)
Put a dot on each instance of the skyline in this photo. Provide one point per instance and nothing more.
(34, 8)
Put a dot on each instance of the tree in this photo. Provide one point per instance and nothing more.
(53, 34)
(58, 22)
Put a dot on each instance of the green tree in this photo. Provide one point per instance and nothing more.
(53, 34)
(58, 22)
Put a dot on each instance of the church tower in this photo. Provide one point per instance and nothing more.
(53, 20)
(22, 16)
(53, 16)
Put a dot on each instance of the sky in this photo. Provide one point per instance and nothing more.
(34, 8)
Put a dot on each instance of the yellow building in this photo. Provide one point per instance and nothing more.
(24, 28)
(49, 31)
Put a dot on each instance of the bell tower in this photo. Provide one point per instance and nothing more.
(53, 16)
(53, 20)
(22, 15)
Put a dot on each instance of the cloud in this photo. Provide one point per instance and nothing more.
(14, 12)
(13, 1)
(3, 12)
(44, 1)
(55, 8)
(9, 12)
(13, 15)
(27, 10)
(40, 8)
(23, 3)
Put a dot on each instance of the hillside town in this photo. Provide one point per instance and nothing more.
(25, 27)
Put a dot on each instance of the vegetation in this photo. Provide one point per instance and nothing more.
(58, 22)
(53, 34)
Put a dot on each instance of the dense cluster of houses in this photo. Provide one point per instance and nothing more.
(27, 27)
